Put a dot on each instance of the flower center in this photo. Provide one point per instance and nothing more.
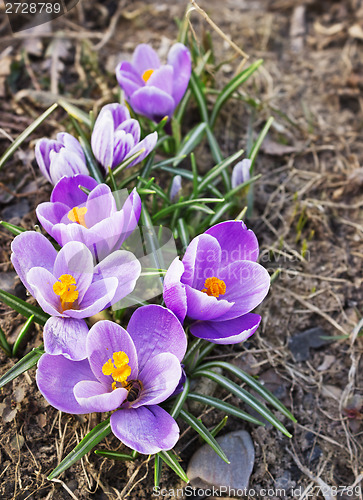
(77, 215)
(118, 367)
(214, 287)
(146, 74)
(65, 287)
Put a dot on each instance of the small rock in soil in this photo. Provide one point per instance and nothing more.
(16, 211)
(301, 343)
(8, 282)
(206, 468)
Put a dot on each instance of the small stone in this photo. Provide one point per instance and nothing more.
(207, 469)
(327, 362)
(17, 442)
(16, 210)
(300, 343)
(7, 282)
(331, 391)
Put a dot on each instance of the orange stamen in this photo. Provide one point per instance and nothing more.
(77, 215)
(146, 75)
(214, 287)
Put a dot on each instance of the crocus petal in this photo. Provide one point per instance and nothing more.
(122, 265)
(66, 336)
(160, 376)
(100, 205)
(31, 249)
(204, 307)
(42, 150)
(154, 329)
(105, 338)
(227, 332)
(128, 79)
(119, 113)
(131, 210)
(75, 259)
(98, 296)
(41, 282)
(65, 163)
(148, 429)
(56, 377)
(162, 78)
(102, 139)
(241, 172)
(123, 143)
(237, 242)
(50, 214)
(175, 187)
(174, 294)
(247, 284)
(71, 143)
(148, 144)
(93, 396)
(67, 191)
(180, 60)
(132, 127)
(201, 261)
(145, 57)
(152, 102)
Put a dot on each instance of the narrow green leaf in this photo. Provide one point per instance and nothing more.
(168, 210)
(204, 433)
(4, 344)
(88, 442)
(157, 470)
(231, 86)
(91, 160)
(218, 157)
(146, 169)
(275, 275)
(216, 430)
(76, 113)
(218, 169)
(151, 239)
(206, 349)
(244, 396)
(223, 406)
(173, 463)
(180, 400)
(190, 141)
(26, 133)
(23, 365)
(24, 308)
(114, 455)
(112, 181)
(12, 228)
(22, 334)
(226, 207)
(157, 189)
(198, 91)
(183, 232)
(253, 383)
(125, 163)
(256, 147)
(234, 191)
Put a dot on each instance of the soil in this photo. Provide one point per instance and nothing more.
(307, 216)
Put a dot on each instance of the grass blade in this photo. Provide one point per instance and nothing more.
(157, 470)
(256, 147)
(244, 396)
(91, 160)
(253, 383)
(173, 463)
(4, 344)
(183, 232)
(223, 406)
(125, 163)
(204, 433)
(114, 455)
(22, 334)
(216, 430)
(26, 133)
(234, 191)
(88, 442)
(12, 228)
(190, 141)
(23, 365)
(218, 169)
(198, 91)
(233, 85)
(180, 400)
(76, 113)
(167, 210)
(24, 308)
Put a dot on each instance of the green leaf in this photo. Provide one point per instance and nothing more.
(152, 241)
(4, 344)
(231, 86)
(256, 147)
(244, 396)
(88, 442)
(226, 207)
(12, 228)
(234, 191)
(253, 383)
(204, 433)
(168, 210)
(218, 157)
(91, 160)
(223, 406)
(114, 455)
(125, 163)
(180, 400)
(218, 169)
(216, 430)
(23, 365)
(24, 308)
(173, 463)
(26, 133)
(22, 334)
(183, 232)
(76, 113)
(198, 91)
(157, 470)
(190, 141)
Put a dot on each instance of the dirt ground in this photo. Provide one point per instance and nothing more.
(307, 216)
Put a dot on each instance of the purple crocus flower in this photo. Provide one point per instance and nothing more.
(69, 287)
(218, 283)
(116, 137)
(63, 156)
(93, 219)
(175, 187)
(241, 172)
(128, 371)
(152, 89)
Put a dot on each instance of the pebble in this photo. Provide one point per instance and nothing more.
(301, 343)
(16, 211)
(207, 469)
(7, 282)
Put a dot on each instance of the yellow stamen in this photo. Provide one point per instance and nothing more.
(146, 75)
(65, 287)
(214, 287)
(118, 368)
(77, 215)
